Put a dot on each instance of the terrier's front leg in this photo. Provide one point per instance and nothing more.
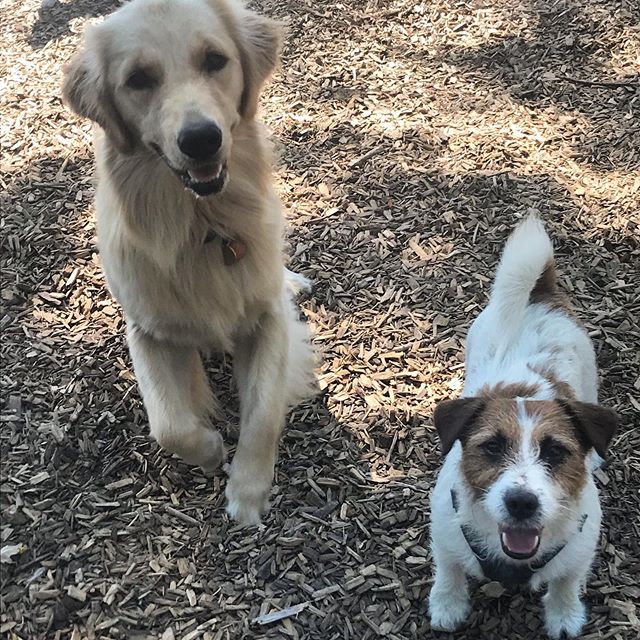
(564, 612)
(449, 603)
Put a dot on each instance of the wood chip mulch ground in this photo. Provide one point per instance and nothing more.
(412, 136)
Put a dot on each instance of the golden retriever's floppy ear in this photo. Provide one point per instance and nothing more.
(86, 91)
(452, 417)
(260, 44)
(595, 425)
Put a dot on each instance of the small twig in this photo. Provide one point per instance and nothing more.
(182, 516)
(366, 156)
(598, 83)
(51, 185)
(315, 13)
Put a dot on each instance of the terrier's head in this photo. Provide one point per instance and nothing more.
(524, 461)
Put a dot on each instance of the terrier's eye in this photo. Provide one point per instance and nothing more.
(552, 452)
(495, 447)
(140, 79)
(213, 62)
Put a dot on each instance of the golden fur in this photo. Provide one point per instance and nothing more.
(177, 293)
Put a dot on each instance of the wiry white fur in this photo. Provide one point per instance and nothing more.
(511, 338)
(524, 257)
(565, 575)
(507, 343)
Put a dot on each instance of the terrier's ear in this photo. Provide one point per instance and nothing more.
(595, 425)
(452, 417)
(85, 89)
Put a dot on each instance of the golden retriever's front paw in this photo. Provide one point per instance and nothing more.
(247, 497)
(214, 452)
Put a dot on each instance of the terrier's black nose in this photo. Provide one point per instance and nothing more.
(200, 140)
(521, 504)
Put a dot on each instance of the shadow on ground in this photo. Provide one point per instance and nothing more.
(53, 22)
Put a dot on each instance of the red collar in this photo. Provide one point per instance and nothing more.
(232, 250)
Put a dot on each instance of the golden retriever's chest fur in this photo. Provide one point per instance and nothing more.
(169, 280)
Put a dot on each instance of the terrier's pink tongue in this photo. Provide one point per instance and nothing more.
(520, 540)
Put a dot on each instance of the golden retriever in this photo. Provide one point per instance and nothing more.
(189, 227)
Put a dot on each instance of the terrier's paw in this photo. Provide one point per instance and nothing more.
(448, 610)
(567, 620)
(247, 497)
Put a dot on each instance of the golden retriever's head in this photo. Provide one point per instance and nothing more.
(175, 77)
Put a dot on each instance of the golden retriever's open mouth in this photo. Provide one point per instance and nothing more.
(203, 180)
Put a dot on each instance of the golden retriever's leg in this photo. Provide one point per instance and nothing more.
(178, 399)
(260, 363)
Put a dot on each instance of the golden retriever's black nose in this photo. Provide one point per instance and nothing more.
(521, 504)
(200, 140)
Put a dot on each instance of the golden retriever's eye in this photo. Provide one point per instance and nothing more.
(140, 79)
(213, 62)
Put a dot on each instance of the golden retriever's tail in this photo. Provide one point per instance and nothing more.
(297, 283)
(301, 379)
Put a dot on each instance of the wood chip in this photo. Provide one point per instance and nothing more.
(276, 616)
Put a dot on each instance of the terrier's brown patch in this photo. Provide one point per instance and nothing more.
(554, 427)
(499, 419)
(509, 390)
(561, 389)
(546, 291)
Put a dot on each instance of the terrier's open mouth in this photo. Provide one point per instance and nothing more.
(520, 543)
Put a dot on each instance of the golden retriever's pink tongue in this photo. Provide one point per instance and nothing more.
(205, 174)
(521, 541)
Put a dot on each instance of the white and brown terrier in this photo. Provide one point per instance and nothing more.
(515, 500)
